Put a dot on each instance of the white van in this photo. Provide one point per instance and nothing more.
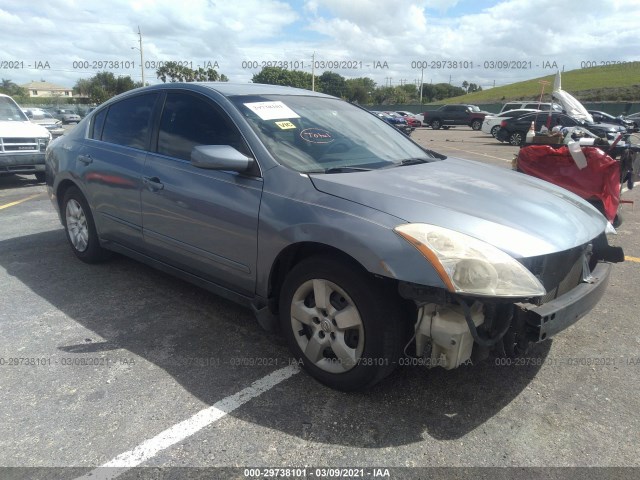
(22, 143)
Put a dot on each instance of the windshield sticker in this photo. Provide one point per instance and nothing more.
(316, 135)
(271, 110)
(286, 125)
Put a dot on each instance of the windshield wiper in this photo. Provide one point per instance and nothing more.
(410, 161)
(347, 169)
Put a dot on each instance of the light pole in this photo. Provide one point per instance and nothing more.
(141, 54)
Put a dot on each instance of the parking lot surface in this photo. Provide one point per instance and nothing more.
(118, 364)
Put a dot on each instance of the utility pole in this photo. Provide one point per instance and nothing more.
(313, 72)
(421, 80)
(141, 54)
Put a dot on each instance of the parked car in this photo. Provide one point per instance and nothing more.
(396, 120)
(533, 105)
(514, 130)
(353, 239)
(48, 121)
(67, 116)
(449, 115)
(491, 123)
(22, 143)
(402, 119)
(411, 119)
(604, 117)
(635, 118)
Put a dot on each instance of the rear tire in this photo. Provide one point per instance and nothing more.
(80, 228)
(516, 139)
(343, 326)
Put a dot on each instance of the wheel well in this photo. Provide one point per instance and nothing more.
(62, 189)
(294, 254)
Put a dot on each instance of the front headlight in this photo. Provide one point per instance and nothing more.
(471, 266)
(43, 142)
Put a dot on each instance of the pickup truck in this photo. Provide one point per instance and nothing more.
(22, 143)
(450, 115)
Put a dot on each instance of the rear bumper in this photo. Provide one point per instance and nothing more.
(546, 320)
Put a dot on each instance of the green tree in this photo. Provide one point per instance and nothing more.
(174, 72)
(360, 90)
(104, 85)
(332, 84)
(282, 76)
(8, 87)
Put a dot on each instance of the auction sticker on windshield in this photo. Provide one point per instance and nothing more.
(271, 110)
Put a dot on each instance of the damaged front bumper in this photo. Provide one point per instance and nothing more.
(544, 321)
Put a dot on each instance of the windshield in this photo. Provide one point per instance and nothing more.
(318, 135)
(10, 112)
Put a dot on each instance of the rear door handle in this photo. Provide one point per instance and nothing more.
(86, 159)
(153, 184)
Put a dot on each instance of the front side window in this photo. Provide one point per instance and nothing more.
(315, 134)
(128, 121)
(188, 121)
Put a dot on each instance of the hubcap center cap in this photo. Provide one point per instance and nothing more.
(326, 325)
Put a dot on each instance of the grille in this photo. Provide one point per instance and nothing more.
(19, 145)
(573, 278)
(559, 272)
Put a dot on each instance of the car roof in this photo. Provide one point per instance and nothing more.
(229, 89)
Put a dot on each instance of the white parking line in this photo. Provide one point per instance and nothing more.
(149, 448)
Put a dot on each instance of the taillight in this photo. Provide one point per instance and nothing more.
(503, 123)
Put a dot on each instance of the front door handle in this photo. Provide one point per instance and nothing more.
(86, 159)
(153, 184)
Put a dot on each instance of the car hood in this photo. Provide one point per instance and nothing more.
(611, 127)
(22, 129)
(519, 214)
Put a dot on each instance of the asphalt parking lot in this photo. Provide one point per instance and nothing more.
(120, 365)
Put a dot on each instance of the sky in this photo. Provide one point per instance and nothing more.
(493, 42)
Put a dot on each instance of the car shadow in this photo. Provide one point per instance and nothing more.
(18, 181)
(214, 348)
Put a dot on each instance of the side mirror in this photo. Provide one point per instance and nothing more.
(220, 157)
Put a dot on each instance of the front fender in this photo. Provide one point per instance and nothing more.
(365, 234)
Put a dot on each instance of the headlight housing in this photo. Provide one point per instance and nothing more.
(43, 142)
(470, 266)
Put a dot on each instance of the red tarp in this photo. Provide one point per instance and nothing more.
(600, 179)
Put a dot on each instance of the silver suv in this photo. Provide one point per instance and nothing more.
(22, 143)
(530, 104)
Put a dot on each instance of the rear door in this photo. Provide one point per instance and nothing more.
(111, 166)
(202, 221)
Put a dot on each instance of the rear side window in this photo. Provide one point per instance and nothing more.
(98, 125)
(188, 121)
(511, 106)
(128, 121)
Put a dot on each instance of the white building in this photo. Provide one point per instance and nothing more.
(46, 89)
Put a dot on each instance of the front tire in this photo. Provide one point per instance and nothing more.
(80, 227)
(436, 124)
(343, 326)
(494, 130)
(476, 125)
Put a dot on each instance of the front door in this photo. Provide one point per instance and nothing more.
(202, 221)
